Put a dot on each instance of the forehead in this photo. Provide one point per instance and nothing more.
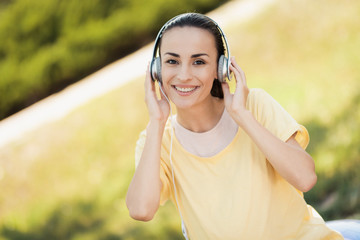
(188, 40)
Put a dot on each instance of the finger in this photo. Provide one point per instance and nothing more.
(146, 80)
(241, 82)
(242, 73)
(149, 79)
(240, 85)
(226, 91)
(237, 74)
(149, 84)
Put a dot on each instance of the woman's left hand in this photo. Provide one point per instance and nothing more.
(236, 103)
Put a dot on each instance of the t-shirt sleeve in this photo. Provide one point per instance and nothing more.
(164, 170)
(275, 118)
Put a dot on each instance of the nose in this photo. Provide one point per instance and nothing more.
(185, 73)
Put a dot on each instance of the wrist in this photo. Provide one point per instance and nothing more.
(156, 126)
(243, 118)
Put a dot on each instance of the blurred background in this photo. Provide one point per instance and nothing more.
(68, 179)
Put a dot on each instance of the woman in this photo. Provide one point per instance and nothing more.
(236, 166)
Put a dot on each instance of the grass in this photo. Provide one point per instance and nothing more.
(76, 173)
(68, 180)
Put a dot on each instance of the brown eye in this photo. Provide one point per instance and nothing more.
(199, 62)
(171, 61)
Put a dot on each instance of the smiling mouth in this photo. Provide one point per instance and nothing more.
(185, 89)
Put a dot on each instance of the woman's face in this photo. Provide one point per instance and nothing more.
(188, 65)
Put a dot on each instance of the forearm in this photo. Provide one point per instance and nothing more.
(292, 162)
(143, 195)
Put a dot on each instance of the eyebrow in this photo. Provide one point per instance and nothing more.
(192, 56)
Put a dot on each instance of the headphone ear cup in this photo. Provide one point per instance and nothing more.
(158, 69)
(154, 69)
(222, 68)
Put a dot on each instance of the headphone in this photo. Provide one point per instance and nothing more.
(223, 63)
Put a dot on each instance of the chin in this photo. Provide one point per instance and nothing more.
(183, 104)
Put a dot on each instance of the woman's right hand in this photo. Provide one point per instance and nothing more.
(159, 109)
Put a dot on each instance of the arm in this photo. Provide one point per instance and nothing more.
(143, 195)
(288, 158)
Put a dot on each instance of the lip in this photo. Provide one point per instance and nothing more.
(185, 90)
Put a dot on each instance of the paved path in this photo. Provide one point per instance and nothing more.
(110, 77)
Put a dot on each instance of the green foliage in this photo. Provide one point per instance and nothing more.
(338, 162)
(45, 45)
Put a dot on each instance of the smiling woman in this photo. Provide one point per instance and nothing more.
(235, 165)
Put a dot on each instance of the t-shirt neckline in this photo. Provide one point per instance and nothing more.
(213, 157)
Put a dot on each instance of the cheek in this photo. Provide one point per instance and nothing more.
(212, 70)
(208, 74)
(167, 74)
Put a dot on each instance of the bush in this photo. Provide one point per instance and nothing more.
(46, 45)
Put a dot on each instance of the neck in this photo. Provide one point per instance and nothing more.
(201, 118)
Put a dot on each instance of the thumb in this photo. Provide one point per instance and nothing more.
(226, 90)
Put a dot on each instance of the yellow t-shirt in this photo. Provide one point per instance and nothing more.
(237, 194)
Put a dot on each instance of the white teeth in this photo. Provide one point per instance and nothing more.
(185, 89)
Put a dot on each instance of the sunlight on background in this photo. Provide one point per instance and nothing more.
(68, 179)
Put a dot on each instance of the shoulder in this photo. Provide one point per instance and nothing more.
(265, 108)
(256, 95)
(140, 143)
(259, 102)
(261, 99)
(142, 136)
